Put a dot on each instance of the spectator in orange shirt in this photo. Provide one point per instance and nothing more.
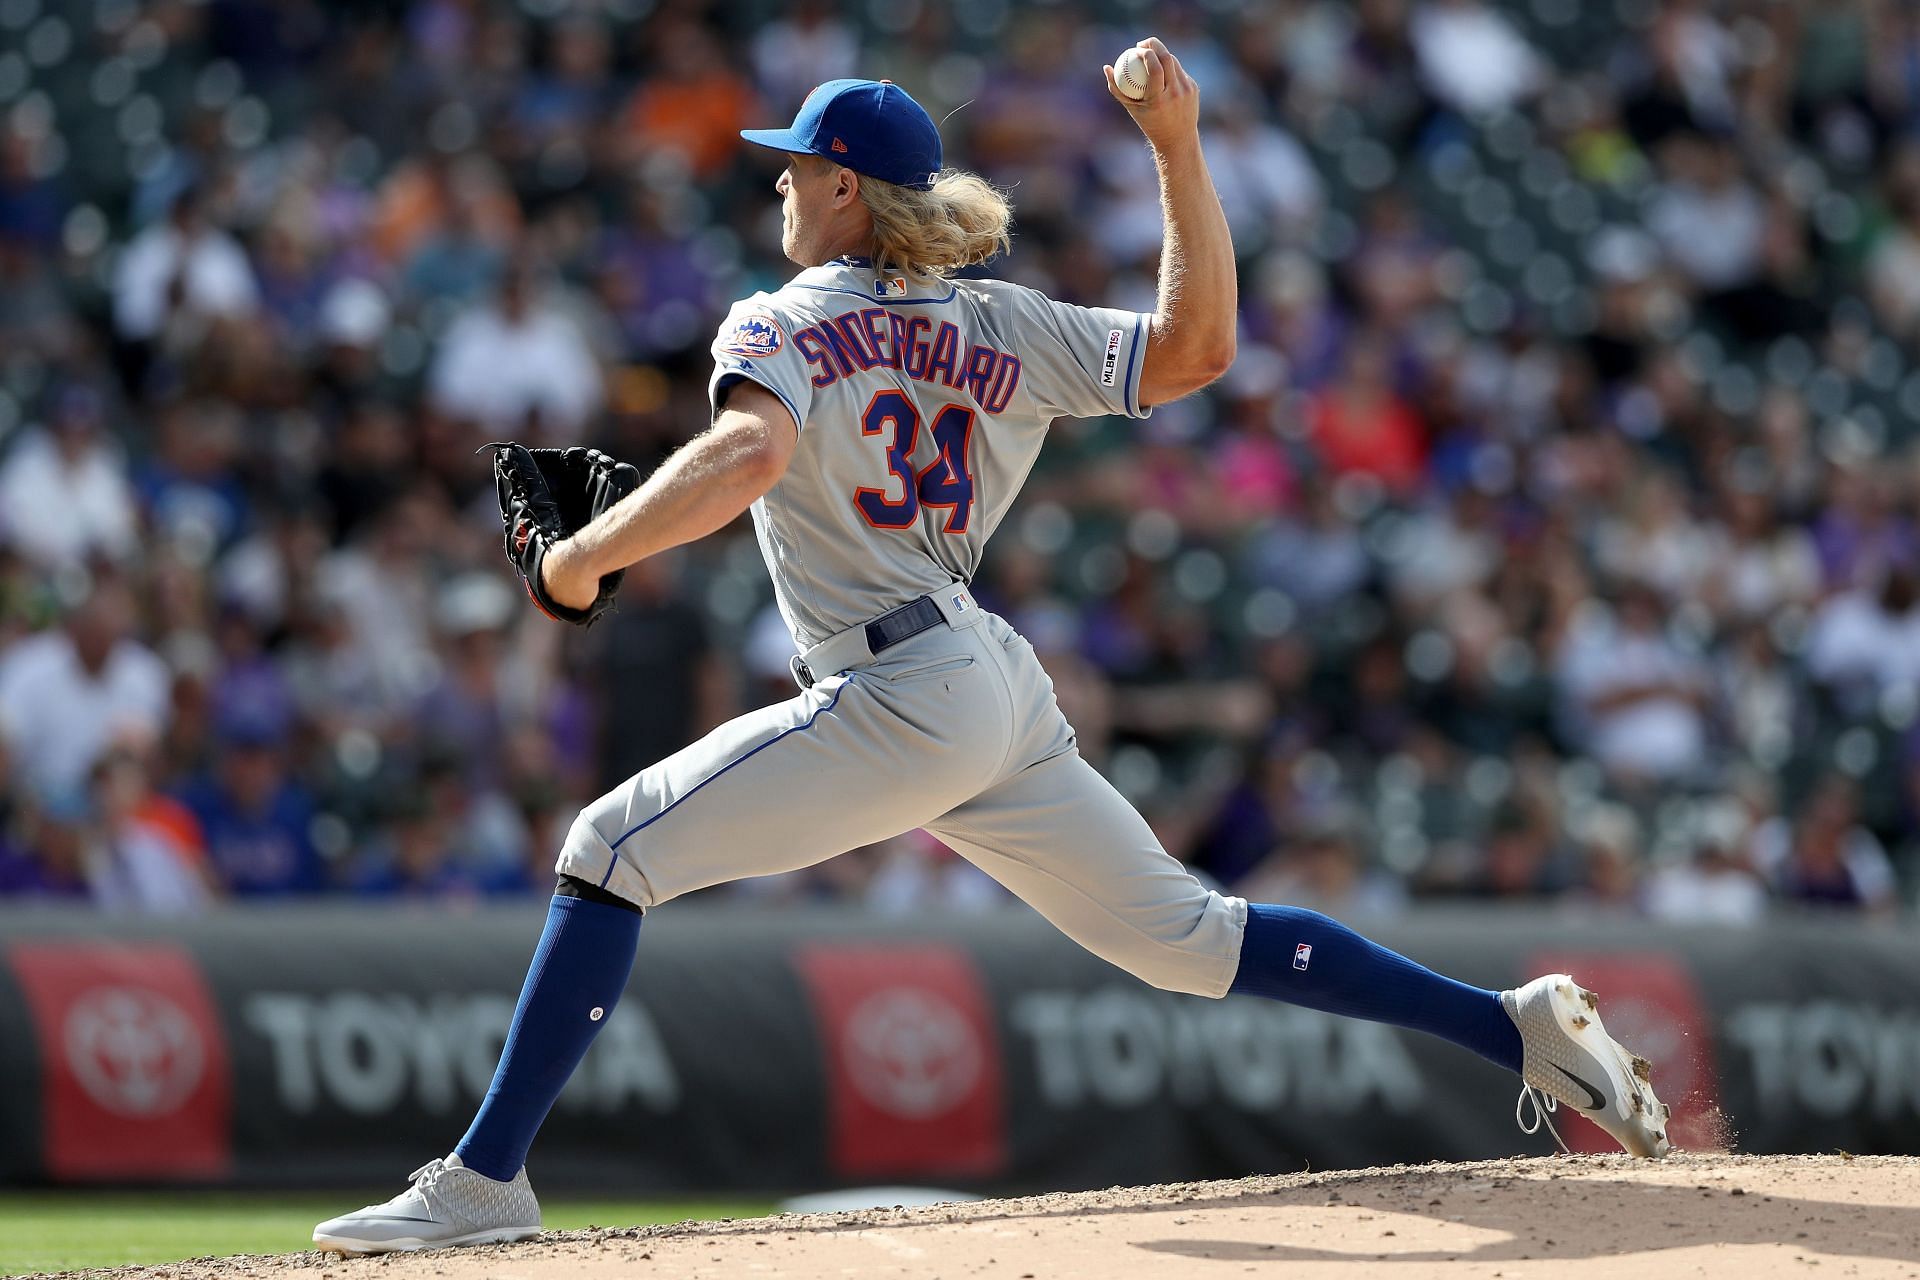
(430, 195)
(692, 101)
(146, 853)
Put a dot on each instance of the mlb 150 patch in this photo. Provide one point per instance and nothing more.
(755, 335)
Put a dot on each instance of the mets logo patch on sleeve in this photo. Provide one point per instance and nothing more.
(755, 335)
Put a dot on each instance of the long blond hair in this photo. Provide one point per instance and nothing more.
(963, 219)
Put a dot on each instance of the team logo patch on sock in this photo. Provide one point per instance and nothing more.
(1303, 956)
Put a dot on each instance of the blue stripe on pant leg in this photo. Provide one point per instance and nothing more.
(799, 728)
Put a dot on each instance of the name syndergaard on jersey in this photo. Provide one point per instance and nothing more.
(880, 338)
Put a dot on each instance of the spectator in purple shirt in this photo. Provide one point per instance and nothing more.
(42, 853)
(1861, 534)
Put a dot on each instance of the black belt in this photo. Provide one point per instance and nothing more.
(904, 623)
(882, 633)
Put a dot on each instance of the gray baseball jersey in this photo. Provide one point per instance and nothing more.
(921, 410)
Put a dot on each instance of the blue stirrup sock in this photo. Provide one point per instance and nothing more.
(1304, 958)
(578, 972)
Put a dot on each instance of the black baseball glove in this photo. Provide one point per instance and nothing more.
(547, 495)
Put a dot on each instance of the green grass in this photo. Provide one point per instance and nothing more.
(67, 1230)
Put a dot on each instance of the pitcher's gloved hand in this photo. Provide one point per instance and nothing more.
(546, 496)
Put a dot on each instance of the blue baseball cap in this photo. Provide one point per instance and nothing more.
(870, 126)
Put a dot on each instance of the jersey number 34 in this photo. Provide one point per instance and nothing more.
(944, 482)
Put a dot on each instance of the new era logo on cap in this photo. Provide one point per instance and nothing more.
(839, 146)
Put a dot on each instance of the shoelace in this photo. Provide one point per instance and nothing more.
(1543, 1103)
(429, 1173)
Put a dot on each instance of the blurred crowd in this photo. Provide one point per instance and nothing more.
(1553, 537)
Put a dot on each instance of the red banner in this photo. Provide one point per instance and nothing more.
(913, 1063)
(134, 1073)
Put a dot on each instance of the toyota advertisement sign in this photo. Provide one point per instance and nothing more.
(822, 1048)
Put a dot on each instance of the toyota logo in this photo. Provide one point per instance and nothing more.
(911, 1052)
(134, 1051)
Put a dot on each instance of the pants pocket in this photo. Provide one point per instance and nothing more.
(945, 666)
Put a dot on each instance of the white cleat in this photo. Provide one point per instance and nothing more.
(447, 1205)
(1570, 1058)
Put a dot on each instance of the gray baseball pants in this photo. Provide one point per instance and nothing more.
(955, 730)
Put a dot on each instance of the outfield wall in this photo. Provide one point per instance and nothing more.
(780, 1051)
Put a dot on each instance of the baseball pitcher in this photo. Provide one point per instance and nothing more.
(878, 417)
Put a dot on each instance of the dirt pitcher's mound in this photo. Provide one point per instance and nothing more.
(1744, 1216)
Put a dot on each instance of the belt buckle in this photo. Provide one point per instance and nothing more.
(802, 674)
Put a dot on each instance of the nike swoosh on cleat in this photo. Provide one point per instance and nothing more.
(1598, 1101)
(388, 1218)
